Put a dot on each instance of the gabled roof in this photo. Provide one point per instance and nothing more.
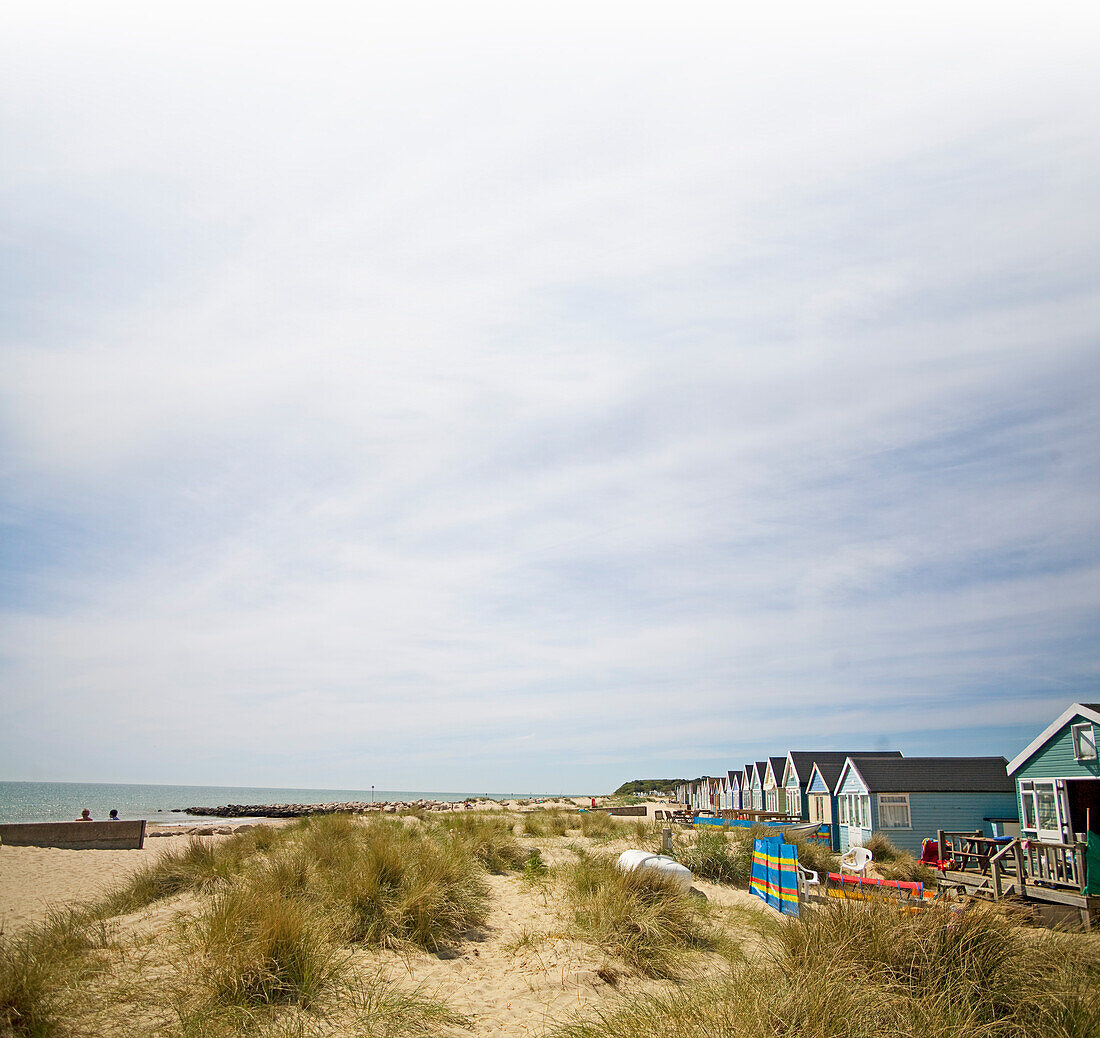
(1090, 711)
(930, 774)
(758, 769)
(829, 762)
(829, 768)
(775, 766)
(735, 777)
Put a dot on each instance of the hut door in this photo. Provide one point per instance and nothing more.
(1052, 812)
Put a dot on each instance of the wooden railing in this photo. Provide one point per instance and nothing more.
(1059, 865)
(1054, 864)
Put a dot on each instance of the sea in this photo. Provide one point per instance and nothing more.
(63, 801)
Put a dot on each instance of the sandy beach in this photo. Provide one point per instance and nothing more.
(521, 972)
(34, 880)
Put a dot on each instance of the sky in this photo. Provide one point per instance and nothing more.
(538, 397)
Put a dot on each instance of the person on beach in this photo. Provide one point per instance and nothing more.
(85, 816)
(113, 816)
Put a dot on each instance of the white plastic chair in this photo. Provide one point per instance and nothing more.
(855, 859)
(807, 878)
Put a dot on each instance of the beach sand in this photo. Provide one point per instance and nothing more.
(34, 880)
(523, 972)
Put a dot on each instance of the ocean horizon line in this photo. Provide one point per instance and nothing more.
(55, 801)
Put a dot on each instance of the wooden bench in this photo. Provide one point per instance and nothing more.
(103, 836)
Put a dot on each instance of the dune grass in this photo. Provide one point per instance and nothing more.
(275, 928)
(489, 837)
(865, 970)
(817, 856)
(201, 864)
(37, 965)
(551, 822)
(599, 825)
(383, 883)
(719, 856)
(257, 945)
(638, 917)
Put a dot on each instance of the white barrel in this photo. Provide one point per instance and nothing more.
(659, 864)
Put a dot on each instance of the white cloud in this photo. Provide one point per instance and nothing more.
(495, 399)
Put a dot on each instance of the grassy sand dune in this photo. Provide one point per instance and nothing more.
(471, 924)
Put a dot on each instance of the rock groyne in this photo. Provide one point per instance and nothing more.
(300, 810)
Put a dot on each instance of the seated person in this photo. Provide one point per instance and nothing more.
(85, 816)
(113, 816)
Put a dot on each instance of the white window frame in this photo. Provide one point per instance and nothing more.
(888, 803)
(1027, 798)
(855, 810)
(794, 801)
(1084, 741)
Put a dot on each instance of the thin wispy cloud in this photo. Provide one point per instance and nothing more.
(491, 402)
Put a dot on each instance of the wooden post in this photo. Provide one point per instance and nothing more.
(666, 841)
(943, 845)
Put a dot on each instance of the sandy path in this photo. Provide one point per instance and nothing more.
(522, 974)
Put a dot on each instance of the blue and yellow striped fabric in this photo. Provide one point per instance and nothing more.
(774, 876)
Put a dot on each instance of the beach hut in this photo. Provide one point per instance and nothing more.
(725, 792)
(735, 778)
(910, 798)
(702, 796)
(775, 796)
(715, 788)
(816, 805)
(1057, 778)
(757, 784)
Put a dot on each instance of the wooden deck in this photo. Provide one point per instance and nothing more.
(1051, 874)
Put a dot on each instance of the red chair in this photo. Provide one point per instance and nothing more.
(930, 855)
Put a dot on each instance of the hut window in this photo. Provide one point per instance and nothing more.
(1047, 805)
(893, 811)
(1084, 741)
(855, 810)
(794, 802)
(1027, 794)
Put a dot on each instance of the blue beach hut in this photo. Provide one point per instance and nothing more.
(910, 798)
(810, 776)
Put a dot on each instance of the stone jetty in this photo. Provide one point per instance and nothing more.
(299, 810)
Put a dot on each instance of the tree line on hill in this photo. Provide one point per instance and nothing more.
(660, 785)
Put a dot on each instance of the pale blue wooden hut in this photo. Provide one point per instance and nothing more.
(810, 792)
(910, 798)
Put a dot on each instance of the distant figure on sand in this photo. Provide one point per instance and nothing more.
(113, 816)
(85, 816)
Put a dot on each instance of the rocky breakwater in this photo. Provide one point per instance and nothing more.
(300, 810)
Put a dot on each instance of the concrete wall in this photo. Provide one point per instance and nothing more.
(107, 836)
